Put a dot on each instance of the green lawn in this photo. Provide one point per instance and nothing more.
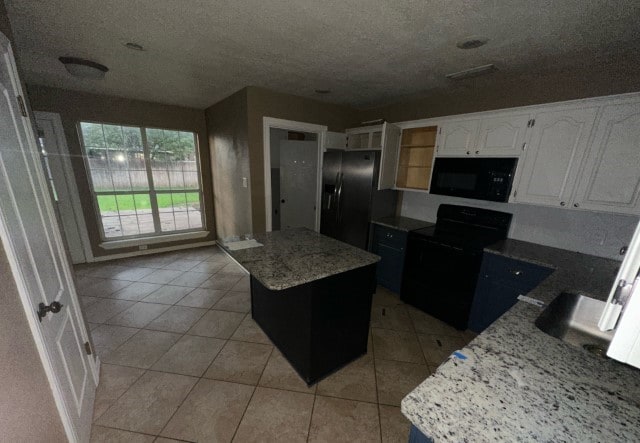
(107, 203)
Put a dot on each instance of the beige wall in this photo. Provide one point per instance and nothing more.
(480, 94)
(75, 106)
(27, 409)
(266, 103)
(227, 127)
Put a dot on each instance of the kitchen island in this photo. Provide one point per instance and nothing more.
(516, 383)
(311, 295)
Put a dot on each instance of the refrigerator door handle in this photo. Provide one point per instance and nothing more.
(339, 180)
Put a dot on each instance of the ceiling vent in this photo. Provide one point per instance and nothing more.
(472, 42)
(473, 72)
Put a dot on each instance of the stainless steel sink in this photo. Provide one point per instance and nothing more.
(573, 318)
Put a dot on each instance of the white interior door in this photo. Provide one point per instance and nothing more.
(56, 160)
(298, 183)
(30, 234)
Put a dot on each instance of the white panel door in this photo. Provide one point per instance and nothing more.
(56, 161)
(503, 136)
(389, 156)
(457, 137)
(552, 161)
(31, 237)
(298, 183)
(611, 181)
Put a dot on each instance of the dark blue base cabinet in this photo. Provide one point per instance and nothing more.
(415, 436)
(390, 244)
(500, 281)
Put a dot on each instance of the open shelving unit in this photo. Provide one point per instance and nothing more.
(415, 159)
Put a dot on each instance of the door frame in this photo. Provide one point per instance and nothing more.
(269, 123)
(17, 268)
(70, 181)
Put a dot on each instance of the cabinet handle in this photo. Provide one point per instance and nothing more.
(562, 203)
(468, 152)
(477, 152)
(516, 272)
(576, 205)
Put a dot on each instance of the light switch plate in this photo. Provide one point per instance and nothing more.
(244, 182)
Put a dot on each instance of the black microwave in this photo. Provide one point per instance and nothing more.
(477, 178)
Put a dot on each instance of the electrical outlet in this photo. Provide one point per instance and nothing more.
(142, 247)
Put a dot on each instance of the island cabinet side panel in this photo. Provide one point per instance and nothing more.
(341, 312)
(285, 316)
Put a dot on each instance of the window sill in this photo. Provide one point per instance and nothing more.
(118, 244)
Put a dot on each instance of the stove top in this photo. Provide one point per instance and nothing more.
(467, 227)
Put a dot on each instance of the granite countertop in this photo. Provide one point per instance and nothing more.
(296, 256)
(402, 223)
(520, 384)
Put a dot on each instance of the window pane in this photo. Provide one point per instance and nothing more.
(193, 207)
(111, 226)
(113, 152)
(174, 210)
(119, 166)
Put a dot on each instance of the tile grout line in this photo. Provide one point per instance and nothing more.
(255, 388)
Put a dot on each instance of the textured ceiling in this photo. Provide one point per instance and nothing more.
(367, 52)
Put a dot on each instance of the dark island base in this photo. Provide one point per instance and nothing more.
(318, 326)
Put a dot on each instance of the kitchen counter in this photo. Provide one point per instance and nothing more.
(520, 384)
(297, 256)
(402, 223)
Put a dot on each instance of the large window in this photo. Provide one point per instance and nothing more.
(145, 181)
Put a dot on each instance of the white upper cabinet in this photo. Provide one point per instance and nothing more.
(389, 156)
(365, 137)
(499, 136)
(551, 165)
(502, 136)
(611, 177)
(457, 137)
(384, 137)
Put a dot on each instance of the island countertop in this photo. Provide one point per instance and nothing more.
(519, 384)
(296, 256)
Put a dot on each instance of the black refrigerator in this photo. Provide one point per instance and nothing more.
(350, 196)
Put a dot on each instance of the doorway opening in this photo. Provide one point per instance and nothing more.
(293, 165)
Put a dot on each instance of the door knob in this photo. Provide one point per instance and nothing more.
(54, 308)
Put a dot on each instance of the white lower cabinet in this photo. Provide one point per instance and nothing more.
(550, 167)
(610, 180)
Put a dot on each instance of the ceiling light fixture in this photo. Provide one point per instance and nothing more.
(323, 91)
(134, 46)
(81, 68)
(472, 42)
(473, 72)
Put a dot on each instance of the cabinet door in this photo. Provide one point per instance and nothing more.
(458, 137)
(502, 136)
(612, 174)
(389, 158)
(552, 161)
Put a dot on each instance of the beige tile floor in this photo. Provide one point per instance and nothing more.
(182, 360)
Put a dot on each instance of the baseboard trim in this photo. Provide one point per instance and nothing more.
(153, 251)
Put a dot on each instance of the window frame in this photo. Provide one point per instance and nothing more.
(151, 192)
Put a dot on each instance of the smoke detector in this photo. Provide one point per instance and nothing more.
(472, 42)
